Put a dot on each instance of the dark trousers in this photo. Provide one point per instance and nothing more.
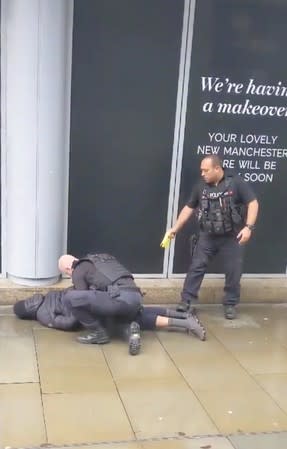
(206, 248)
(148, 315)
(146, 318)
(92, 307)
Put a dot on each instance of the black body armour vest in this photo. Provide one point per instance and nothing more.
(108, 272)
(218, 214)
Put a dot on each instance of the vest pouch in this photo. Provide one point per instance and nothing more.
(204, 204)
(218, 222)
(218, 228)
(206, 225)
(113, 291)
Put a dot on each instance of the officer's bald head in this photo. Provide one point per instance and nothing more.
(65, 264)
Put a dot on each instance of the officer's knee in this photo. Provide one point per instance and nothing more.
(199, 265)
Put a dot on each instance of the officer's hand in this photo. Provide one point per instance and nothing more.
(170, 233)
(244, 235)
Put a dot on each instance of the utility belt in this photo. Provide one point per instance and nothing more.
(115, 290)
(217, 227)
(131, 296)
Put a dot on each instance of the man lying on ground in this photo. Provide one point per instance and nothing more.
(52, 310)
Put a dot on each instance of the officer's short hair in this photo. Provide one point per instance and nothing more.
(215, 160)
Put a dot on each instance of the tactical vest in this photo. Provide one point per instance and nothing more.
(108, 272)
(218, 214)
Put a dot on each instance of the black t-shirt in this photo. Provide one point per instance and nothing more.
(242, 192)
(82, 274)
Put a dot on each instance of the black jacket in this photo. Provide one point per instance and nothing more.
(53, 313)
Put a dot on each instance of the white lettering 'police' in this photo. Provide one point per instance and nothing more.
(215, 194)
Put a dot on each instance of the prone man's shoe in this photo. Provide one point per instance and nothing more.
(195, 326)
(96, 337)
(134, 338)
(229, 312)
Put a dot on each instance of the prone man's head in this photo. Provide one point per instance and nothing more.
(26, 309)
(65, 264)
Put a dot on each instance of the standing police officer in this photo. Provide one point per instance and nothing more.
(227, 209)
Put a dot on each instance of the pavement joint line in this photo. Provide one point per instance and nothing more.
(144, 440)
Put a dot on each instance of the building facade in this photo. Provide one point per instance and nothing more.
(107, 108)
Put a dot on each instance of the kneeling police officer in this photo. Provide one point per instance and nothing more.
(103, 288)
(106, 289)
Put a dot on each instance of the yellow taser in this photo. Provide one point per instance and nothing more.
(165, 242)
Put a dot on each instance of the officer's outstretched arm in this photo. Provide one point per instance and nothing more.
(183, 217)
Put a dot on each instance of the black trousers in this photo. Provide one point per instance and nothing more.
(146, 318)
(148, 315)
(92, 307)
(206, 248)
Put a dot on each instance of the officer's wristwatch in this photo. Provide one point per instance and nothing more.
(251, 227)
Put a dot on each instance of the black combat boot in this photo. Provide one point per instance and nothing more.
(130, 333)
(230, 312)
(183, 306)
(134, 338)
(186, 307)
(97, 336)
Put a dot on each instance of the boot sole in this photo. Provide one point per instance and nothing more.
(202, 334)
(134, 344)
(100, 341)
(201, 337)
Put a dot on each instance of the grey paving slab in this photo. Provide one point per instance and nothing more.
(179, 393)
(260, 441)
(216, 442)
